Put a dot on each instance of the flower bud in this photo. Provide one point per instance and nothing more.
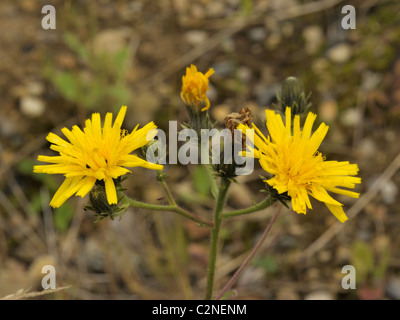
(98, 202)
(293, 96)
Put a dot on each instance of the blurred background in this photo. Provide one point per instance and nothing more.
(104, 54)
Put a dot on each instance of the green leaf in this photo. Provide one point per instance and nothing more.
(67, 84)
(76, 45)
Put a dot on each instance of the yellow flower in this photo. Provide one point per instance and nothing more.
(194, 88)
(96, 153)
(296, 165)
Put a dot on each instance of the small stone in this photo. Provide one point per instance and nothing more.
(287, 294)
(195, 37)
(351, 117)
(252, 276)
(8, 127)
(93, 256)
(244, 74)
(257, 34)
(393, 288)
(367, 148)
(389, 192)
(319, 295)
(313, 36)
(32, 106)
(328, 110)
(370, 80)
(339, 53)
(224, 68)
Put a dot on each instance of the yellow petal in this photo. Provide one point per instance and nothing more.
(320, 194)
(87, 185)
(65, 191)
(337, 212)
(120, 117)
(111, 192)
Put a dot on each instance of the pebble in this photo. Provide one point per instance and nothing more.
(393, 288)
(367, 148)
(340, 53)
(370, 80)
(328, 110)
(32, 106)
(314, 37)
(93, 256)
(351, 117)
(287, 294)
(319, 295)
(389, 192)
(257, 34)
(245, 74)
(223, 68)
(195, 37)
(252, 276)
(8, 127)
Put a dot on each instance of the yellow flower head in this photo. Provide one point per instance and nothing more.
(194, 88)
(96, 153)
(296, 165)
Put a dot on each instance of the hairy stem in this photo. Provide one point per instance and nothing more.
(170, 208)
(257, 207)
(170, 198)
(223, 190)
(211, 179)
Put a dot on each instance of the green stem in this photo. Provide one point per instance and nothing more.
(170, 208)
(223, 190)
(170, 198)
(211, 179)
(257, 207)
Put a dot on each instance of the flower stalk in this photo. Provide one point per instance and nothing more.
(171, 208)
(223, 190)
(257, 207)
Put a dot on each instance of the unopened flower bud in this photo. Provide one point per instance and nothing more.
(99, 204)
(293, 96)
